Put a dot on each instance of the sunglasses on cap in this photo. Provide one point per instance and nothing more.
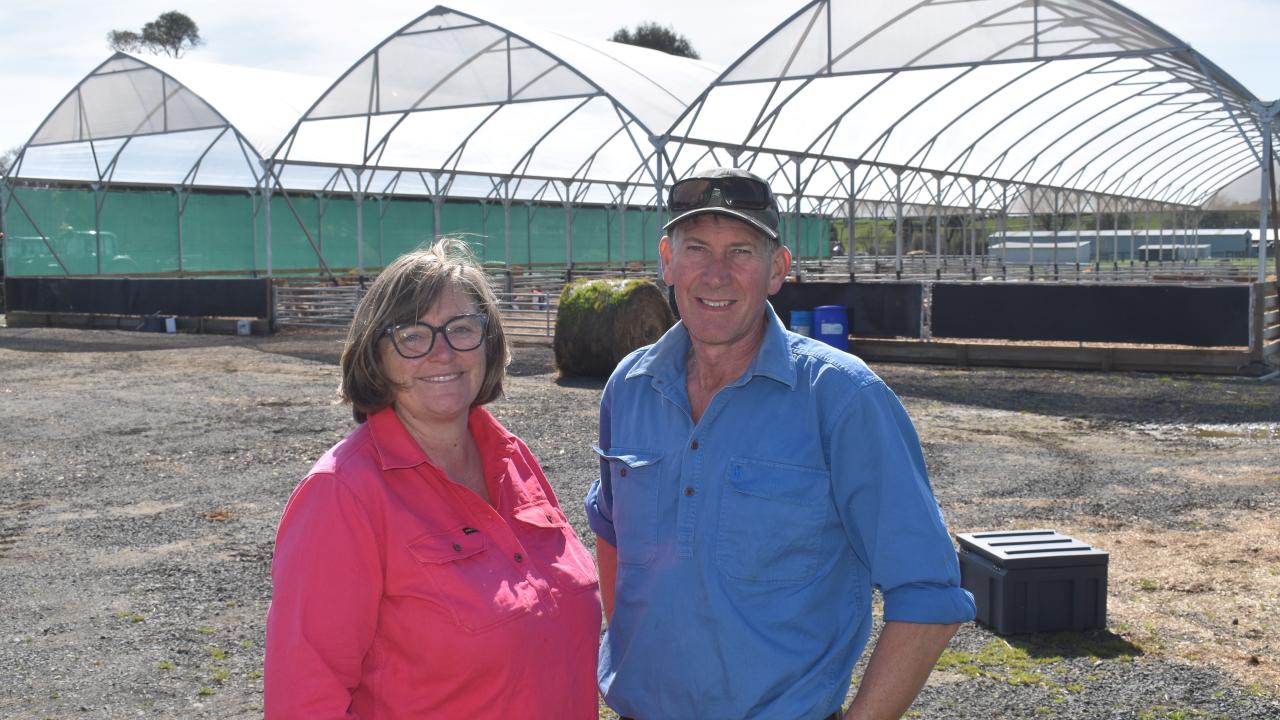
(735, 192)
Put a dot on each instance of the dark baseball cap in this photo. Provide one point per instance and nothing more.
(725, 191)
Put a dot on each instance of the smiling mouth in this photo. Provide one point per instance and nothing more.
(442, 378)
(716, 303)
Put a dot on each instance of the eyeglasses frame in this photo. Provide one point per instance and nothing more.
(728, 202)
(484, 334)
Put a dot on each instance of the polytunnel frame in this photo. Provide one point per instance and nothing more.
(921, 195)
(1236, 101)
(105, 172)
(647, 174)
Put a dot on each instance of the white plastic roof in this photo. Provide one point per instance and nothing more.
(159, 120)
(455, 103)
(997, 104)
(948, 101)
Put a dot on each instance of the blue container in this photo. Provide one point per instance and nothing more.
(831, 326)
(802, 322)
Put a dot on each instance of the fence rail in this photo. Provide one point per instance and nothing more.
(324, 306)
(990, 268)
(529, 314)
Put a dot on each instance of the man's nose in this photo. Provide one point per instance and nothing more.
(716, 271)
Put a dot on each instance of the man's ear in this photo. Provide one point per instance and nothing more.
(781, 266)
(665, 252)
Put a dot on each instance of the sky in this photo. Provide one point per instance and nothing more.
(50, 45)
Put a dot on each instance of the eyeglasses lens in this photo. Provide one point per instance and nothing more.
(462, 333)
(745, 193)
(735, 192)
(689, 194)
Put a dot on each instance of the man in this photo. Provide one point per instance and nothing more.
(754, 485)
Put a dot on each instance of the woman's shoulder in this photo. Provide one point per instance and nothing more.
(353, 456)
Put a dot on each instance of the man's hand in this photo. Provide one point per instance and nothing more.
(902, 660)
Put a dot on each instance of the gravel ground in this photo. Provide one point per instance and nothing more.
(144, 475)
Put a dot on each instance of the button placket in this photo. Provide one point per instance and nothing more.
(687, 507)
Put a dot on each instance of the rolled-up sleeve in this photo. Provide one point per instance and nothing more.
(599, 501)
(889, 512)
(327, 581)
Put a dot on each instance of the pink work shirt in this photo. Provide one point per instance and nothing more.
(401, 594)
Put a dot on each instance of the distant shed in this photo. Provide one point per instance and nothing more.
(1065, 252)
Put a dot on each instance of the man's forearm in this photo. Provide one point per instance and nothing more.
(901, 662)
(607, 558)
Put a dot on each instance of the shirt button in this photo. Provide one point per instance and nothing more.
(519, 557)
(549, 518)
(688, 492)
(457, 547)
(694, 445)
(622, 472)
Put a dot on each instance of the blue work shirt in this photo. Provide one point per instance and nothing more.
(748, 542)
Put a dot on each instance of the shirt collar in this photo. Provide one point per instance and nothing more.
(397, 449)
(667, 358)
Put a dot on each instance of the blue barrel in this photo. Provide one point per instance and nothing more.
(802, 322)
(831, 326)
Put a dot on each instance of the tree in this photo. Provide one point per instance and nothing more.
(124, 41)
(8, 158)
(657, 37)
(170, 34)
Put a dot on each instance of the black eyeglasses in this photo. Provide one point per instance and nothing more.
(735, 192)
(462, 333)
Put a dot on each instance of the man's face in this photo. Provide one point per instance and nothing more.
(722, 271)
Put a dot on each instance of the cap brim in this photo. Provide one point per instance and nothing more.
(717, 210)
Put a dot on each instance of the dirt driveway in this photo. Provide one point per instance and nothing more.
(144, 474)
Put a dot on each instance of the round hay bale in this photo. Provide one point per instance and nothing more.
(600, 321)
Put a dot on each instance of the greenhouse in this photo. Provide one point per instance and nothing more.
(905, 141)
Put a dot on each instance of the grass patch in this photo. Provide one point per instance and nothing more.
(216, 652)
(165, 665)
(1037, 659)
(1000, 661)
(1162, 712)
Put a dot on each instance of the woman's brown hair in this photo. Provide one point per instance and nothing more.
(404, 291)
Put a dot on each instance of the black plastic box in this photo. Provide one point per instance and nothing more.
(1027, 581)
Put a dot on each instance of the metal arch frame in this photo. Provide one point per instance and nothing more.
(1167, 147)
(1051, 172)
(1120, 26)
(12, 180)
(963, 156)
(1227, 159)
(909, 179)
(286, 143)
(1177, 160)
(1196, 136)
(1002, 156)
(1211, 169)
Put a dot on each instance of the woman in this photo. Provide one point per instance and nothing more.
(423, 568)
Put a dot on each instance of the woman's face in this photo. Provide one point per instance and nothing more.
(441, 385)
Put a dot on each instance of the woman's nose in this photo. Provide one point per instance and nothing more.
(441, 349)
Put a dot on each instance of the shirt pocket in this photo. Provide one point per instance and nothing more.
(550, 541)
(634, 476)
(478, 585)
(772, 518)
